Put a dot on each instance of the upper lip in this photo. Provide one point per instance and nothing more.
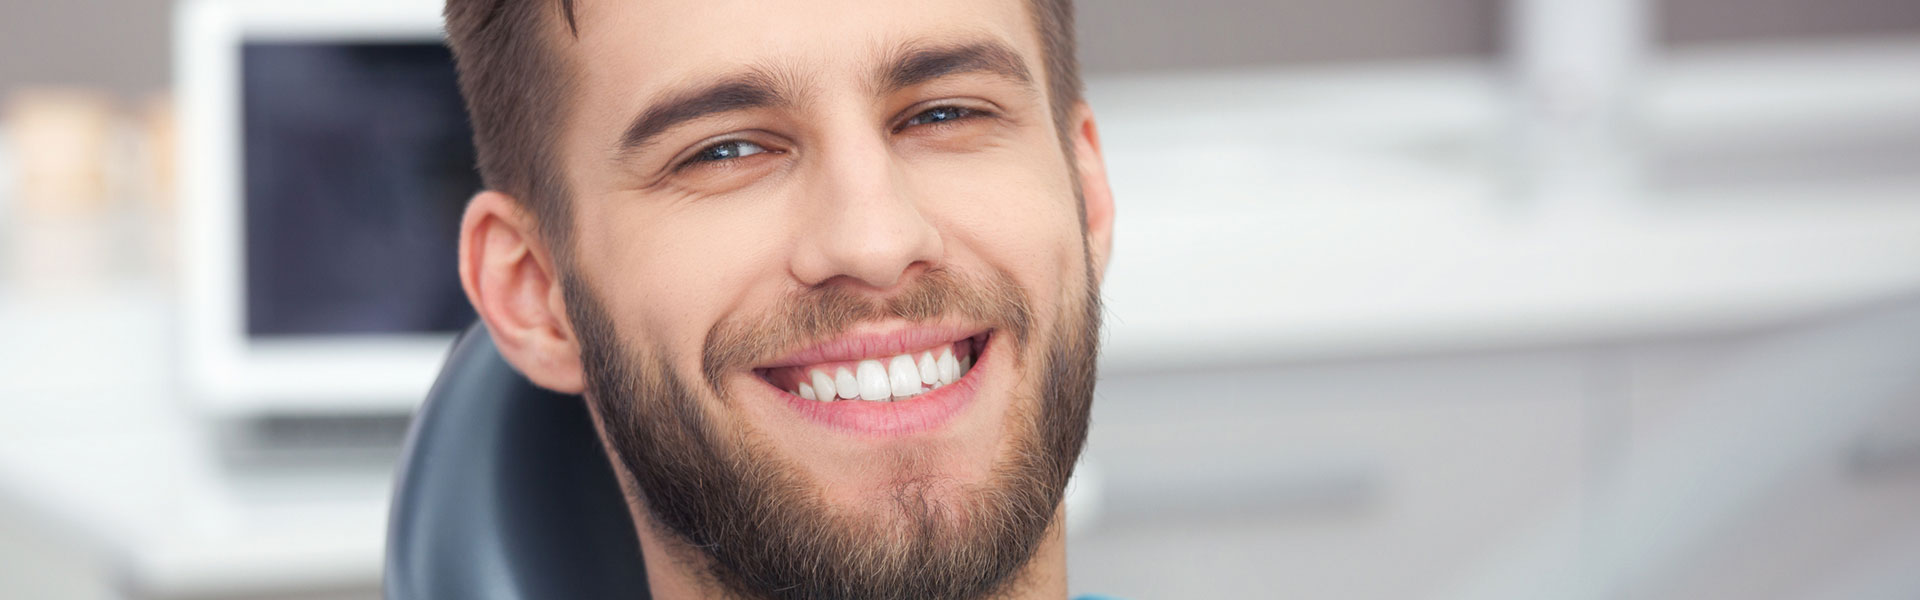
(865, 342)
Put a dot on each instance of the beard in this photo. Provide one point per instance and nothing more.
(754, 524)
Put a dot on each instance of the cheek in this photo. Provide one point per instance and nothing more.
(1012, 211)
(668, 275)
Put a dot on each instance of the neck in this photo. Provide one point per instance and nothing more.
(677, 571)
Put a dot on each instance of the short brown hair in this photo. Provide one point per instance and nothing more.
(515, 87)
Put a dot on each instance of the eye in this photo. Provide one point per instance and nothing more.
(727, 150)
(941, 114)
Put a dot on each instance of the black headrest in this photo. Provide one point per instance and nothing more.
(503, 493)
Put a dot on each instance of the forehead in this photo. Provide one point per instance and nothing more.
(630, 49)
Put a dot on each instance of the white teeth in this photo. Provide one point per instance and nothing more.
(845, 384)
(904, 375)
(874, 386)
(949, 368)
(929, 372)
(892, 380)
(822, 385)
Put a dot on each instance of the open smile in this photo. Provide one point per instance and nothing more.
(903, 382)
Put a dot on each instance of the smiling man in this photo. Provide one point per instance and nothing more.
(826, 273)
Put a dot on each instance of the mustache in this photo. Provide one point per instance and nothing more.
(825, 311)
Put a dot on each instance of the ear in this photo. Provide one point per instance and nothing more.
(1097, 195)
(509, 276)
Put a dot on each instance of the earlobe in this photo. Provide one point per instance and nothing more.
(1096, 194)
(509, 277)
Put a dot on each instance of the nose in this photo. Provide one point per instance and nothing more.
(863, 224)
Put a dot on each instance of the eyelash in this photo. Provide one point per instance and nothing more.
(961, 113)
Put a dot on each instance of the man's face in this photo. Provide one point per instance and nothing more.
(838, 194)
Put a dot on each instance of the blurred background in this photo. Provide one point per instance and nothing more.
(1609, 299)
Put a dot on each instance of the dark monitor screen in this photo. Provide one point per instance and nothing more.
(357, 163)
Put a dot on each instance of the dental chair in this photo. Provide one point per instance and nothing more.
(503, 493)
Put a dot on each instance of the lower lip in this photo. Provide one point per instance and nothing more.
(925, 412)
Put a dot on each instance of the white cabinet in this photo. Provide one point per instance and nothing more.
(1381, 479)
(1777, 463)
(1782, 464)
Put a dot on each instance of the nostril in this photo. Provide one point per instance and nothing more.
(878, 243)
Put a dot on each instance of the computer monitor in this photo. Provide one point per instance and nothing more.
(326, 159)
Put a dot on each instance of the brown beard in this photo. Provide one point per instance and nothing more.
(765, 531)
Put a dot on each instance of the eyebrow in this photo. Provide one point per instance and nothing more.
(745, 91)
(915, 66)
(756, 89)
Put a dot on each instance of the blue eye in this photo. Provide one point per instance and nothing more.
(939, 114)
(727, 150)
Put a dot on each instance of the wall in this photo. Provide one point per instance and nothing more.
(123, 45)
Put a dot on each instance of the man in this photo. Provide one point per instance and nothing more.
(826, 273)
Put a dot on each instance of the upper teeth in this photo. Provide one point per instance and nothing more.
(898, 378)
